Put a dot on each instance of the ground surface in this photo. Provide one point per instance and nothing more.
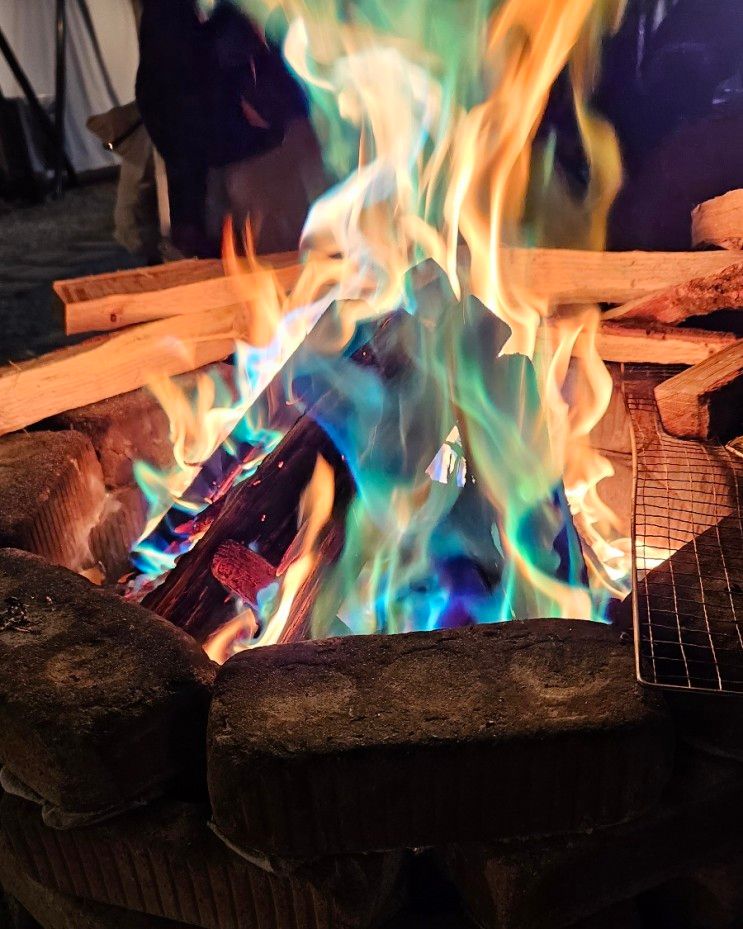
(40, 243)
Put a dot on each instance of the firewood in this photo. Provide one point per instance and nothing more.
(719, 222)
(263, 507)
(633, 342)
(242, 571)
(214, 292)
(706, 400)
(72, 291)
(567, 276)
(561, 275)
(720, 290)
(105, 366)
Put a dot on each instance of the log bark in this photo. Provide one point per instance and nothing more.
(105, 366)
(719, 222)
(706, 400)
(700, 296)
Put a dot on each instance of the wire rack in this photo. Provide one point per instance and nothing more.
(688, 551)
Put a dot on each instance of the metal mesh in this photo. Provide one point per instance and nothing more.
(688, 551)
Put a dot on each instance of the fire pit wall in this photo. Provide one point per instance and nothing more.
(144, 787)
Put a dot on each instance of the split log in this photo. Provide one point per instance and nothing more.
(719, 222)
(216, 293)
(706, 400)
(700, 296)
(105, 366)
(633, 342)
(101, 302)
(568, 276)
(561, 275)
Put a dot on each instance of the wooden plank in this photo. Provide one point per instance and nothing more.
(560, 275)
(108, 365)
(114, 311)
(706, 400)
(136, 280)
(720, 290)
(567, 276)
(719, 222)
(628, 343)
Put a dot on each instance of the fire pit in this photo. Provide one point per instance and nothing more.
(356, 605)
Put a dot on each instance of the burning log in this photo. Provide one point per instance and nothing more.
(118, 310)
(384, 724)
(102, 704)
(704, 401)
(242, 571)
(265, 506)
(719, 222)
(105, 366)
(720, 290)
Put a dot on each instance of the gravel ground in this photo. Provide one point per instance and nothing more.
(44, 242)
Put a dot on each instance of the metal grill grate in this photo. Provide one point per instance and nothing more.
(688, 608)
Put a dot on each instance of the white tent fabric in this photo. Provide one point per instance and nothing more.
(29, 26)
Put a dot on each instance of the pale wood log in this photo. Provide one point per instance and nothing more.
(666, 345)
(108, 365)
(212, 292)
(560, 275)
(720, 290)
(719, 222)
(136, 280)
(706, 400)
(567, 276)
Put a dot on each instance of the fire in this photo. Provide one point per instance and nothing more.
(430, 120)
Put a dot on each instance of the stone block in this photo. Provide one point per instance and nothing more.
(164, 860)
(51, 495)
(102, 703)
(374, 742)
(557, 882)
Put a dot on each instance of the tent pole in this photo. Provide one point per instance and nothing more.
(60, 94)
(36, 108)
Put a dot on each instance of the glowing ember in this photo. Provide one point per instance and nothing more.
(429, 117)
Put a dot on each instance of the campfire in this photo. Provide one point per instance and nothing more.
(417, 488)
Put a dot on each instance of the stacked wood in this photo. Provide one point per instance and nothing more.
(652, 343)
(718, 223)
(706, 400)
(561, 275)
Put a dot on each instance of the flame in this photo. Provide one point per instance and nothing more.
(430, 121)
(315, 509)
